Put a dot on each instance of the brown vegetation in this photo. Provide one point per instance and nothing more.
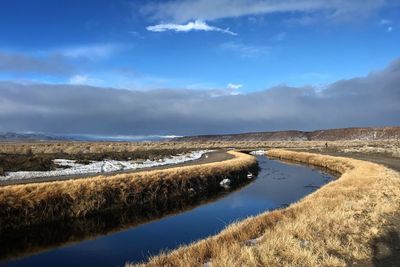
(39, 156)
(93, 148)
(50, 235)
(383, 133)
(24, 205)
(334, 226)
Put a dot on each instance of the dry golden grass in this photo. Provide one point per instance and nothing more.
(333, 226)
(22, 205)
(115, 147)
(392, 150)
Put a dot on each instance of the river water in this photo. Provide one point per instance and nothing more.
(278, 184)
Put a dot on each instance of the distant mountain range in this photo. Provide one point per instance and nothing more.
(11, 136)
(382, 133)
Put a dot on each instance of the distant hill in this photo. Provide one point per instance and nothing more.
(383, 133)
(11, 136)
(26, 137)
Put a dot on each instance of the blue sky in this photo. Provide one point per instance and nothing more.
(199, 66)
(106, 43)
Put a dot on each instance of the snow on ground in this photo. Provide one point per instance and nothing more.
(104, 166)
(258, 152)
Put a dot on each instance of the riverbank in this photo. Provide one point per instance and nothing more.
(119, 237)
(335, 226)
(25, 205)
(209, 157)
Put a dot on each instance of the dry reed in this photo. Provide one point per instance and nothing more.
(118, 147)
(24, 205)
(333, 226)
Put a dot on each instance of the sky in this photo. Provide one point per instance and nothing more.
(198, 67)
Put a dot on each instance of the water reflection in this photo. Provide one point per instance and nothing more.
(38, 238)
(277, 184)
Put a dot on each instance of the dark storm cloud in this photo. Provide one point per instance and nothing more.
(22, 63)
(373, 100)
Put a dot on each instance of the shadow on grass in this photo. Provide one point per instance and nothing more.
(386, 249)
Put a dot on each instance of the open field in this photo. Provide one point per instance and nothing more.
(353, 133)
(42, 153)
(149, 149)
(39, 156)
(337, 225)
(29, 204)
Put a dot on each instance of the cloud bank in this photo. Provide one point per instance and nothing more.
(373, 100)
(197, 25)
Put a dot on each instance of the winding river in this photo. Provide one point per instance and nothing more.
(119, 239)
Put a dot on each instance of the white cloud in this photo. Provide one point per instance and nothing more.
(84, 80)
(196, 25)
(244, 50)
(389, 29)
(183, 11)
(234, 86)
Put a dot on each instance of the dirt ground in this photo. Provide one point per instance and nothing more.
(385, 159)
(206, 158)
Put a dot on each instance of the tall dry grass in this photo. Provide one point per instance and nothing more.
(24, 205)
(115, 147)
(333, 226)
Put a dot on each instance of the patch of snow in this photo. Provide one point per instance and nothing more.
(225, 183)
(258, 152)
(104, 166)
